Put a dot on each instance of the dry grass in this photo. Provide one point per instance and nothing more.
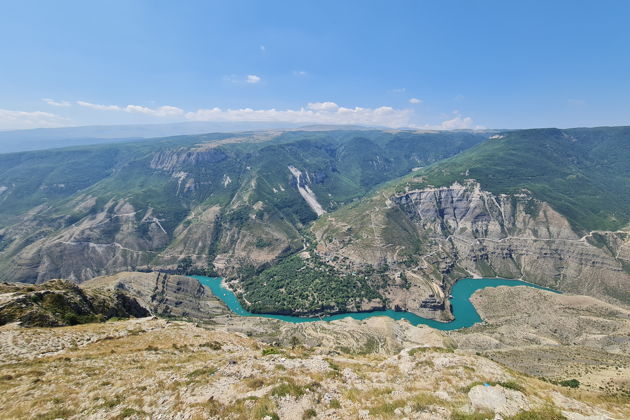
(153, 368)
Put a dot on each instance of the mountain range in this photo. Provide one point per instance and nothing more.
(320, 222)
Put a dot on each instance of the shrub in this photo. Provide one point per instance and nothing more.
(288, 388)
(571, 383)
(270, 350)
(416, 350)
(309, 414)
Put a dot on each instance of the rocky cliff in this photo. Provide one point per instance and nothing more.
(58, 303)
(226, 203)
(163, 294)
(433, 236)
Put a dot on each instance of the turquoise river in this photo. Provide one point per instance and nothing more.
(463, 310)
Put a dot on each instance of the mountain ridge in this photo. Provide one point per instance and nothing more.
(407, 213)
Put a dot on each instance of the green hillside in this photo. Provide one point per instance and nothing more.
(582, 173)
(80, 193)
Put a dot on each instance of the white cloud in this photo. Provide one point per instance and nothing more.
(99, 107)
(263, 48)
(15, 120)
(314, 113)
(415, 101)
(252, 78)
(163, 111)
(300, 73)
(398, 90)
(323, 106)
(456, 123)
(235, 79)
(52, 102)
(325, 112)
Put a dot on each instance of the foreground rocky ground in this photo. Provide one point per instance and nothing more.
(553, 336)
(252, 368)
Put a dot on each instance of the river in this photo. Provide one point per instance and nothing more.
(465, 313)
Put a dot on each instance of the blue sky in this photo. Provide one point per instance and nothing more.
(436, 64)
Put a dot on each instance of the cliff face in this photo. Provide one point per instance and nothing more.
(58, 303)
(163, 294)
(220, 201)
(437, 235)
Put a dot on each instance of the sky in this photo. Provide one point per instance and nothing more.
(437, 64)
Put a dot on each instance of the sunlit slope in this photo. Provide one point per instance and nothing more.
(582, 173)
(549, 206)
(221, 201)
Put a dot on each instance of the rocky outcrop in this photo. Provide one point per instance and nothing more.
(436, 235)
(521, 316)
(170, 160)
(302, 182)
(262, 368)
(496, 399)
(163, 294)
(58, 303)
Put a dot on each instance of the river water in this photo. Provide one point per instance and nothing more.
(463, 310)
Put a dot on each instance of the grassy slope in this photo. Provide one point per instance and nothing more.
(583, 173)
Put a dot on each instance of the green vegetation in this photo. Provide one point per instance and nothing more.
(202, 372)
(270, 350)
(168, 180)
(582, 173)
(58, 303)
(288, 388)
(130, 412)
(309, 414)
(570, 383)
(543, 413)
(386, 408)
(417, 350)
(480, 415)
(298, 285)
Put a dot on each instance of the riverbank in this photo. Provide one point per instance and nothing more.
(463, 310)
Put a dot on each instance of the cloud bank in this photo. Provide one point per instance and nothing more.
(326, 112)
(163, 111)
(15, 120)
(315, 112)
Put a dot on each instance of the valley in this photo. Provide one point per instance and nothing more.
(330, 210)
(112, 270)
(337, 220)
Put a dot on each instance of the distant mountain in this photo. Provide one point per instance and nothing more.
(317, 222)
(48, 138)
(582, 173)
(549, 206)
(227, 203)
